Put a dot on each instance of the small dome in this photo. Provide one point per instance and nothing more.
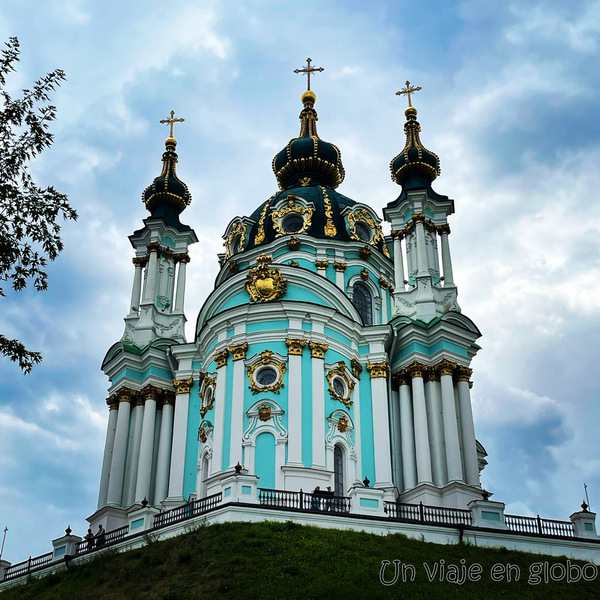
(307, 159)
(167, 190)
(415, 162)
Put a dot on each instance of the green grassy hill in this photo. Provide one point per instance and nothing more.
(285, 561)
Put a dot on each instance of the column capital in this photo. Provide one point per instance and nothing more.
(167, 253)
(182, 257)
(463, 373)
(182, 386)
(239, 351)
(378, 369)
(443, 229)
(432, 375)
(221, 358)
(321, 264)
(383, 283)
(140, 261)
(112, 402)
(317, 349)
(416, 369)
(339, 266)
(401, 378)
(397, 234)
(154, 247)
(357, 368)
(125, 395)
(446, 367)
(168, 397)
(418, 218)
(149, 392)
(295, 345)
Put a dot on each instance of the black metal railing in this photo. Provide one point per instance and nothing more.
(31, 564)
(319, 501)
(110, 537)
(539, 526)
(187, 511)
(423, 513)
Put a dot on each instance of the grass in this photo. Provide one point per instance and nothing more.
(285, 560)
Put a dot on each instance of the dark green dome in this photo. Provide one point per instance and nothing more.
(415, 162)
(307, 159)
(167, 191)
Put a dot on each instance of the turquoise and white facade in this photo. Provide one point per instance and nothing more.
(327, 354)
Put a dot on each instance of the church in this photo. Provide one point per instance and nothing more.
(328, 379)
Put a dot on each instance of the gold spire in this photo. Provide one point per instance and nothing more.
(170, 121)
(308, 70)
(408, 91)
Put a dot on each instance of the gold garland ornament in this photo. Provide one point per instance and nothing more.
(264, 284)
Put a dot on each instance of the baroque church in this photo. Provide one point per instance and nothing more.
(329, 356)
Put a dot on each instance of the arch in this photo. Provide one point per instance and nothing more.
(340, 435)
(363, 302)
(339, 486)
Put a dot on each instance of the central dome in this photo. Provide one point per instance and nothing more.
(308, 159)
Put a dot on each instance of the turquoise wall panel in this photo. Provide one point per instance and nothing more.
(266, 326)
(168, 241)
(191, 445)
(429, 350)
(337, 336)
(306, 409)
(140, 376)
(237, 300)
(264, 465)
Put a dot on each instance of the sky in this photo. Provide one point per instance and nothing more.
(509, 103)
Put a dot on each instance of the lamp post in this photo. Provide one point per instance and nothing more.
(3, 540)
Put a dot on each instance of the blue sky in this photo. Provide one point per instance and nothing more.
(509, 102)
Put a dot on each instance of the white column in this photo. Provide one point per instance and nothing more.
(237, 405)
(117, 465)
(467, 427)
(422, 266)
(133, 451)
(180, 421)
(142, 488)
(384, 304)
(396, 441)
(108, 450)
(407, 435)
(436, 429)
(398, 260)
(420, 418)
(444, 230)
(164, 451)
(317, 351)
(150, 290)
(295, 349)
(339, 267)
(381, 424)
(183, 260)
(453, 458)
(219, 424)
(139, 263)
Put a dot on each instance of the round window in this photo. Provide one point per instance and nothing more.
(339, 387)
(266, 376)
(293, 223)
(363, 231)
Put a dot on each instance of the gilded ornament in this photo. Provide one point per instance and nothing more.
(383, 283)
(150, 392)
(418, 218)
(167, 253)
(432, 374)
(140, 261)
(221, 358)
(304, 181)
(330, 230)
(266, 358)
(126, 394)
(378, 370)
(260, 235)
(293, 206)
(443, 229)
(264, 413)
(238, 230)
(264, 284)
(446, 367)
(356, 368)
(202, 435)
(364, 274)
(416, 369)
(365, 252)
(321, 264)
(342, 424)
(294, 263)
(239, 351)
(154, 247)
(317, 350)
(182, 386)
(463, 373)
(112, 402)
(340, 372)
(207, 395)
(407, 91)
(397, 234)
(308, 70)
(340, 267)
(293, 243)
(401, 378)
(182, 257)
(233, 266)
(377, 235)
(295, 346)
(168, 397)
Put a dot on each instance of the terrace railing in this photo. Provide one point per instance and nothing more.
(31, 564)
(316, 502)
(539, 526)
(422, 513)
(110, 537)
(187, 511)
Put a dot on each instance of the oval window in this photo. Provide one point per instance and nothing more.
(266, 376)
(293, 223)
(363, 231)
(339, 387)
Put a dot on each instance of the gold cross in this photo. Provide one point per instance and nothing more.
(171, 121)
(408, 91)
(308, 70)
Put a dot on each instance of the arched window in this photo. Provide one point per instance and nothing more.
(338, 471)
(361, 298)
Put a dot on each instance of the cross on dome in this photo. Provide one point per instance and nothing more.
(172, 120)
(308, 70)
(408, 91)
